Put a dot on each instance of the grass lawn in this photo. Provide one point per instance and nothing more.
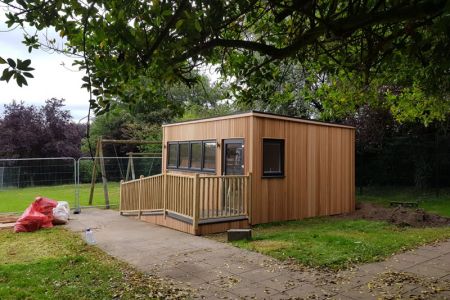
(337, 243)
(16, 200)
(57, 264)
(427, 200)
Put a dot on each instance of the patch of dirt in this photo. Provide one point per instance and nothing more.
(400, 216)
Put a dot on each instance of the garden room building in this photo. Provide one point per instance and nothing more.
(244, 169)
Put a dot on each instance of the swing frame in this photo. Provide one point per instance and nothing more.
(100, 161)
(130, 166)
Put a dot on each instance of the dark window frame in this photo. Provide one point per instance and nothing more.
(168, 155)
(188, 156)
(202, 169)
(280, 174)
(232, 141)
(201, 155)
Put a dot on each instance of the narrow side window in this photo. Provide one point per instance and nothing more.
(172, 154)
(209, 156)
(196, 155)
(183, 155)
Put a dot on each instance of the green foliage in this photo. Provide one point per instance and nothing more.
(400, 154)
(337, 244)
(142, 120)
(413, 104)
(133, 50)
(18, 70)
(120, 124)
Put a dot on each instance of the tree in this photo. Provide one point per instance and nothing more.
(123, 44)
(143, 119)
(402, 154)
(48, 131)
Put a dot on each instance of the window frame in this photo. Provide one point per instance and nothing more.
(208, 170)
(188, 155)
(202, 168)
(168, 155)
(280, 174)
(201, 155)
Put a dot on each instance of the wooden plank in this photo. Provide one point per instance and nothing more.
(196, 202)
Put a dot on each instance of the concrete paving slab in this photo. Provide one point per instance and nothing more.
(427, 271)
(372, 268)
(260, 274)
(442, 262)
(254, 291)
(303, 291)
(281, 283)
(355, 295)
(220, 271)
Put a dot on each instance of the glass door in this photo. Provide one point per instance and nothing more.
(233, 157)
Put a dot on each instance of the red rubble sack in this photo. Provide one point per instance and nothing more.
(38, 214)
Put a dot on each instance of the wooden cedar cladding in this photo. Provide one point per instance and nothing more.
(319, 162)
(319, 171)
(211, 129)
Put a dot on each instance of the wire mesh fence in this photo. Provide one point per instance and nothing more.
(21, 180)
(83, 182)
(99, 177)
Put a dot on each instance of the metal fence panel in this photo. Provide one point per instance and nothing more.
(109, 171)
(21, 180)
(67, 179)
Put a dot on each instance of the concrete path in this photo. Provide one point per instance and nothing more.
(219, 271)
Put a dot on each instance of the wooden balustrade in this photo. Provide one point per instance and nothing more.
(152, 188)
(180, 194)
(129, 195)
(195, 197)
(224, 196)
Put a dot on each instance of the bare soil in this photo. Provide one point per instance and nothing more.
(400, 216)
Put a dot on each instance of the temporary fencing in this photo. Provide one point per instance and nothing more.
(82, 182)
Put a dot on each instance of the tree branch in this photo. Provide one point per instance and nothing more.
(166, 28)
(341, 27)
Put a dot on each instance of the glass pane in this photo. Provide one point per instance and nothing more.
(172, 155)
(209, 158)
(234, 159)
(272, 157)
(184, 155)
(196, 155)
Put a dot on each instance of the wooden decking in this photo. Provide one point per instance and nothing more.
(190, 203)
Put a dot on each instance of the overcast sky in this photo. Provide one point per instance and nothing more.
(52, 79)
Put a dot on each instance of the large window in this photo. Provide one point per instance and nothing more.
(273, 158)
(192, 155)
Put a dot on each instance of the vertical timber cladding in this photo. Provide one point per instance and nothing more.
(217, 129)
(319, 170)
(319, 162)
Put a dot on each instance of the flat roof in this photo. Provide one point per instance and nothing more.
(260, 114)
